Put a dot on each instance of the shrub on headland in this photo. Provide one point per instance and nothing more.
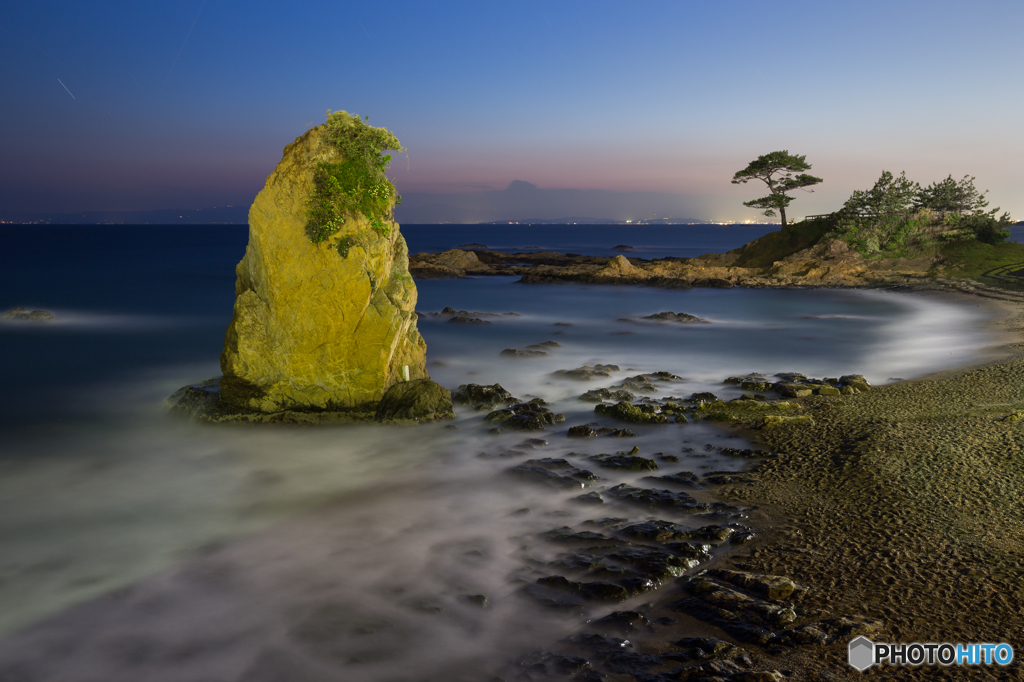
(898, 217)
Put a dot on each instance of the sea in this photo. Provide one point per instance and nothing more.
(139, 546)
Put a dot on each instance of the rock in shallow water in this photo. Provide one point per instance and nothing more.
(23, 315)
(420, 400)
(637, 414)
(586, 372)
(525, 417)
(313, 329)
(682, 318)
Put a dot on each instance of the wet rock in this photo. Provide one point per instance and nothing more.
(637, 414)
(713, 533)
(566, 535)
(656, 563)
(776, 421)
(626, 622)
(419, 400)
(638, 383)
(578, 563)
(476, 394)
(554, 473)
(599, 644)
(195, 400)
(555, 601)
(544, 345)
(587, 591)
(606, 522)
(465, 319)
(682, 318)
(510, 452)
(752, 377)
(623, 461)
(655, 531)
(845, 626)
(657, 499)
(791, 390)
(728, 621)
(704, 398)
(587, 373)
(582, 431)
(478, 600)
(631, 663)
(617, 433)
(704, 647)
(744, 452)
(755, 385)
(23, 315)
(589, 498)
(544, 663)
(769, 586)
(514, 353)
(684, 479)
(529, 416)
(598, 395)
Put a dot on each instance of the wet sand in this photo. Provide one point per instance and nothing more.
(904, 504)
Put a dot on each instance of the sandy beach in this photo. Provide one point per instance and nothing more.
(903, 504)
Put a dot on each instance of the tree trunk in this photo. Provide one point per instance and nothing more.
(782, 210)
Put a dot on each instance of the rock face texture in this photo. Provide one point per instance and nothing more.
(313, 330)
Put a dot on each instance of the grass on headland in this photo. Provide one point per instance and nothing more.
(764, 251)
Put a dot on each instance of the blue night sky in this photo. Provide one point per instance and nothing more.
(188, 103)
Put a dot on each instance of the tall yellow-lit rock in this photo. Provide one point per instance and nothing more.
(313, 330)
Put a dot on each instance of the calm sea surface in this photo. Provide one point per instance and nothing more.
(99, 490)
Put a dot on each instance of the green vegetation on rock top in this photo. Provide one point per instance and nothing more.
(895, 218)
(774, 246)
(898, 217)
(354, 185)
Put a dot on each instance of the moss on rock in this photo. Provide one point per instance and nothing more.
(637, 414)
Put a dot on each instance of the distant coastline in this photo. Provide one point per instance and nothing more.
(239, 215)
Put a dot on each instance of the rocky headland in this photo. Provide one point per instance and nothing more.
(800, 255)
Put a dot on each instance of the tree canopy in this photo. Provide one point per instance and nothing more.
(952, 196)
(776, 170)
(898, 216)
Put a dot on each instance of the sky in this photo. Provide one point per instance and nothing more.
(646, 108)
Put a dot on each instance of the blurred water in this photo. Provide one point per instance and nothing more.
(127, 538)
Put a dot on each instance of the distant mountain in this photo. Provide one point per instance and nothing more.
(578, 220)
(218, 215)
(524, 202)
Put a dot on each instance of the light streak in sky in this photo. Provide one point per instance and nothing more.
(66, 88)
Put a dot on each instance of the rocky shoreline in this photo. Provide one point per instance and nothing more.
(890, 511)
(904, 502)
(827, 264)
